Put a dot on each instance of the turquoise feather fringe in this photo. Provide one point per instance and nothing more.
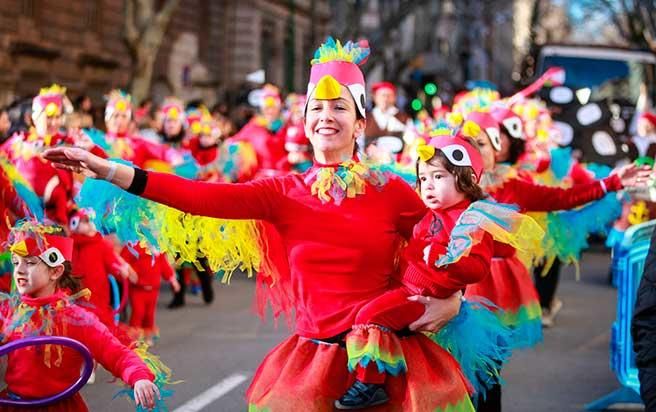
(479, 342)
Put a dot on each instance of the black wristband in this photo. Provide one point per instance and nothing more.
(139, 181)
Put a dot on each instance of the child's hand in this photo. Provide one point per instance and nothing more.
(427, 253)
(175, 285)
(145, 393)
(132, 275)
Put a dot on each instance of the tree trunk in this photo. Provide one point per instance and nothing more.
(142, 75)
(144, 31)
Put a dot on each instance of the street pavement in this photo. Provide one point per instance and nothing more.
(215, 350)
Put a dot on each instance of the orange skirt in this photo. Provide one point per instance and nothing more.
(305, 375)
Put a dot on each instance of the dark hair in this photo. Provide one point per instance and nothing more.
(517, 147)
(464, 175)
(67, 281)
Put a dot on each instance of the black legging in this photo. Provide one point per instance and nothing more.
(492, 401)
(546, 285)
(205, 277)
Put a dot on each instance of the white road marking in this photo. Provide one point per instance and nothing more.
(215, 392)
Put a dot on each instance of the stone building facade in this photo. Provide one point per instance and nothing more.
(209, 48)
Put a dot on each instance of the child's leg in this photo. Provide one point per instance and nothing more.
(392, 310)
(373, 348)
(150, 308)
(138, 308)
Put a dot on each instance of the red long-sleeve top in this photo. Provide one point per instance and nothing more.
(532, 197)
(340, 256)
(434, 230)
(150, 269)
(268, 146)
(94, 259)
(28, 374)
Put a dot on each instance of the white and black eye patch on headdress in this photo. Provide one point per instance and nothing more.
(457, 155)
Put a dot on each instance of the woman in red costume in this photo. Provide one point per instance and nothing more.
(510, 286)
(54, 187)
(47, 304)
(340, 244)
(121, 143)
(266, 132)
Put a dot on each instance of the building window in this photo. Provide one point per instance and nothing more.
(28, 7)
(290, 53)
(92, 17)
(267, 45)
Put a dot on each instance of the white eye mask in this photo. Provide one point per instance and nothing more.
(457, 155)
(52, 257)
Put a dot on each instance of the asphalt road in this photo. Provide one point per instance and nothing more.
(217, 348)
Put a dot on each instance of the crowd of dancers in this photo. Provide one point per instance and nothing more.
(369, 225)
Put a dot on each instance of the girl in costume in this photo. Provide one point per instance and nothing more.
(509, 286)
(265, 132)
(451, 247)
(47, 303)
(145, 291)
(333, 233)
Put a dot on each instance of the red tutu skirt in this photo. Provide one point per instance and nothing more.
(303, 375)
(73, 404)
(511, 289)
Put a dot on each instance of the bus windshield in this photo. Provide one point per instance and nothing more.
(618, 80)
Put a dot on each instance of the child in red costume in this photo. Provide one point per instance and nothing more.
(94, 259)
(43, 305)
(451, 247)
(143, 294)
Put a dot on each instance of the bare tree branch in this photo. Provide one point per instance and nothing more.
(165, 14)
(614, 16)
(130, 32)
(145, 12)
(647, 13)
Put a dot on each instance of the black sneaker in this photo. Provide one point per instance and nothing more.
(175, 304)
(362, 395)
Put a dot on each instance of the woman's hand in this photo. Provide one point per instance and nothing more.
(145, 393)
(78, 160)
(438, 312)
(634, 176)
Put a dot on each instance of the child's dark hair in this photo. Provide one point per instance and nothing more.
(67, 281)
(464, 175)
(516, 149)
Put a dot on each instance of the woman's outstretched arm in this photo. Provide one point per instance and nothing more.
(254, 200)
